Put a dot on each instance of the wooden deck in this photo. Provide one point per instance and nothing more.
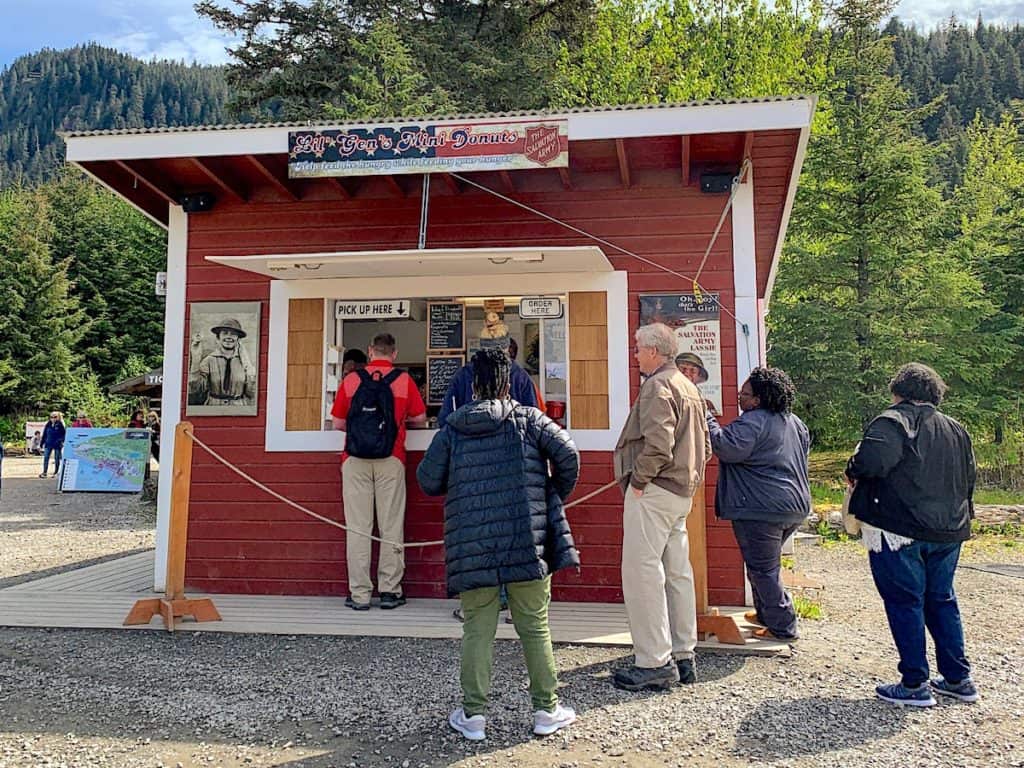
(100, 596)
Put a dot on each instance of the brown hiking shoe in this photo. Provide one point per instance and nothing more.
(751, 618)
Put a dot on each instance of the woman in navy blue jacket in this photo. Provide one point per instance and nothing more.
(504, 524)
(763, 490)
(53, 442)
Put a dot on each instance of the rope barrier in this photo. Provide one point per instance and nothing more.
(397, 545)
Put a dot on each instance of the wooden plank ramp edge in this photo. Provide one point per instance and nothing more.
(100, 596)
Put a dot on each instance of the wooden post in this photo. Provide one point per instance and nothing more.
(696, 533)
(174, 603)
(709, 622)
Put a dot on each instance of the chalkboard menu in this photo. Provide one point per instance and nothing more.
(440, 371)
(446, 326)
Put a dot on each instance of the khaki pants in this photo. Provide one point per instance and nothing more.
(363, 482)
(657, 579)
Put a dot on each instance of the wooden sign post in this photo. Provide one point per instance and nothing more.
(174, 603)
(709, 622)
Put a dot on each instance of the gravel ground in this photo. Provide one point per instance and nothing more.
(44, 531)
(99, 698)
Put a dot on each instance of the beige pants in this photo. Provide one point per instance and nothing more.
(363, 482)
(657, 579)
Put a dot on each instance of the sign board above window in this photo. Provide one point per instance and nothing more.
(428, 148)
(540, 308)
(373, 309)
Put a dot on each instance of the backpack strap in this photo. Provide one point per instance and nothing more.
(364, 376)
(393, 374)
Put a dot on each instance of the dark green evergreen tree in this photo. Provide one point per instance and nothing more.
(41, 322)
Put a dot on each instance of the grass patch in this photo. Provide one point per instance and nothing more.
(829, 534)
(807, 608)
(825, 496)
(1006, 530)
(997, 496)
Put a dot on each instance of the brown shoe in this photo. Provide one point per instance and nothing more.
(751, 618)
(766, 634)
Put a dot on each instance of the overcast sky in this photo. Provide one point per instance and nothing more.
(170, 29)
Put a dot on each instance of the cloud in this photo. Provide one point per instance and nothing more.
(162, 29)
(928, 14)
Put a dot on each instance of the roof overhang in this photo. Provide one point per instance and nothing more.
(611, 123)
(420, 263)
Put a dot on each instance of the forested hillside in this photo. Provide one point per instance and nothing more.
(972, 69)
(90, 87)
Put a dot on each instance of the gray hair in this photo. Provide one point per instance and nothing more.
(659, 336)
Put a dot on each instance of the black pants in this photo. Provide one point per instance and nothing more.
(761, 546)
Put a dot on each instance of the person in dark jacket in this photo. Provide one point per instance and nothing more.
(460, 388)
(504, 524)
(53, 442)
(763, 490)
(913, 475)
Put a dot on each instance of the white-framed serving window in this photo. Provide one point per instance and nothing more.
(539, 345)
(553, 342)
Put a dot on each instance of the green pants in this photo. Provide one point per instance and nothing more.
(528, 602)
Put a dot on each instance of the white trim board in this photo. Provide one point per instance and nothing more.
(583, 126)
(282, 291)
(744, 276)
(170, 416)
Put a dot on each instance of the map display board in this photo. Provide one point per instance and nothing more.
(107, 460)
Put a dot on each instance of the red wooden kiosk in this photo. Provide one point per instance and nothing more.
(322, 235)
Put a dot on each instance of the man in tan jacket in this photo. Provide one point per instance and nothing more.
(659, 463)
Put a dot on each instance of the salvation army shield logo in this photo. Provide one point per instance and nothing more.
(542, 144)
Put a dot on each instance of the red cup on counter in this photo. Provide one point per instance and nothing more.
(556, 410)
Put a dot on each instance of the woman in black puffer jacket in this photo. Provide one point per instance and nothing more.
(504, 525)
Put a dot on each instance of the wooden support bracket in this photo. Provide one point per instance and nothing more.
(724, 628)
(200, 609)
(174, 604)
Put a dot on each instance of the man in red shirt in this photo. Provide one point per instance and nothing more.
(381, 480)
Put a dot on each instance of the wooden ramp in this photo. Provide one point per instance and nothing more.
(100, 596)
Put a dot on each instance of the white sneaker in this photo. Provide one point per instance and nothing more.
(546, 723)
(470, 727)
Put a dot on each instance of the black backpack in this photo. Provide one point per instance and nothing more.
(370, 429)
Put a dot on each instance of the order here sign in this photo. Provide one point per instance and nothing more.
(372, 309)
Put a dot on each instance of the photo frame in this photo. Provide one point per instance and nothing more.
(223, 358)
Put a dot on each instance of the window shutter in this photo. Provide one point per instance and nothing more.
(304, 397)
(588, 360)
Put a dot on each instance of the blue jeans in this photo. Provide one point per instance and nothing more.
(761, 547)
(56, 459)
(916, 584)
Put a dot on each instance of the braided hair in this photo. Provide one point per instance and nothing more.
(490, 374)
(774, 388)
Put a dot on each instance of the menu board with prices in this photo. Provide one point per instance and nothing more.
(446, 326)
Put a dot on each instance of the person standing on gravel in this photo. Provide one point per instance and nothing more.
(53, 442)
(764, 491)
(372, 407)
(504, 524)
(913, 475)
(659, 463)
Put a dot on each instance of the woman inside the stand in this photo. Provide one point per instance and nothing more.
(763, 489)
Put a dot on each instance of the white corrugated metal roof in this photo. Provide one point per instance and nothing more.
(430, 118)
